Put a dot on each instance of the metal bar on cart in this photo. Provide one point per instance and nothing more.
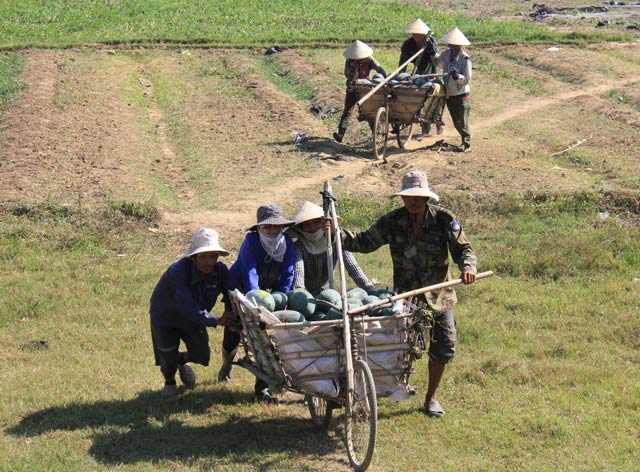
(327, 209)
(389, 77)
(346, 330)
(418, 291)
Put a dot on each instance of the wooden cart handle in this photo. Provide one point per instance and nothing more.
(418, 291)
(389, 77)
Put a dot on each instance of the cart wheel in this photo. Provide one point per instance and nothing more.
(403, 134)
(362, 417)
(380, 133)
(320, 410)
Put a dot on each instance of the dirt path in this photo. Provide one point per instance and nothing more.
(74, 132)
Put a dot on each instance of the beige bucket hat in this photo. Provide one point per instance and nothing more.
(455, 38)
(357, 50)
(415, 184)
(205, 240)
(418, 27)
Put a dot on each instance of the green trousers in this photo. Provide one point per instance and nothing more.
(459, 108)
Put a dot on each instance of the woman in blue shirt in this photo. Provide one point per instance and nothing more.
(265, 262)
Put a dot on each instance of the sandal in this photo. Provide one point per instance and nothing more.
(433, 409)
(265, 397)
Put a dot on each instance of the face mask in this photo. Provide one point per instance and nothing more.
(275, 246)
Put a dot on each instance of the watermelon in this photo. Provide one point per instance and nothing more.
(356, 292)
(333, 314)
(354, 301)
(289, 316)
(281, 300)
(261, 298)
(329, 295)
(370, 299)
(299, 300)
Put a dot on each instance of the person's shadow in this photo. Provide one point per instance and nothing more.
(150, 428)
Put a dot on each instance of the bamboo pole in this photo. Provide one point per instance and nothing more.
(418, 291)
(389, 77)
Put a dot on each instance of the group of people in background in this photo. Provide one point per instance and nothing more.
(279, 254)
(452, 88)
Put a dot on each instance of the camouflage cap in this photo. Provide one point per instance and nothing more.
(270, 215)
(415, 184)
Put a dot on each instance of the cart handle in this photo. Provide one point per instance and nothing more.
(389, 77)
(418, 291)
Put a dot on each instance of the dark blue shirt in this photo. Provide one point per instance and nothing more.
(254, 269)
(182, 297)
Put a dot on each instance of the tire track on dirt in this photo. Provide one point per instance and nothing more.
(541, 103)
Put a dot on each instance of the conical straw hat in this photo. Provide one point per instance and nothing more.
(455, 38)
(357, 50)
(418, 27)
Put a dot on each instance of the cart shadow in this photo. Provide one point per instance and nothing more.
(145, 429)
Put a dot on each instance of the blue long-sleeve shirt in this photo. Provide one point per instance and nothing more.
(255, 270)
(182, 297)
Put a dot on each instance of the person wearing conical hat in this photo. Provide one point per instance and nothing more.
(421, 235)
(358, 65)
(310, 270)
(422, 37)
(456, 65)
(180, 309)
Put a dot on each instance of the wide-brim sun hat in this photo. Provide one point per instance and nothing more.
(357, 50)
(270, 215)
(309, 211)
(418, 27)
(416, 184)
(455, 38)
(205, 240)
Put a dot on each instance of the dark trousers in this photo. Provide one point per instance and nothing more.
(350, 100)
(230, 341)
(459, 108)
(166, 341)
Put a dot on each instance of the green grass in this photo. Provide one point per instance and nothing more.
(544, 377)
(65, 23)
(10, 69)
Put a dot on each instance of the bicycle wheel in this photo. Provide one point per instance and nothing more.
(380, 133)
(361, 418)
(320, 410)
(404, 132)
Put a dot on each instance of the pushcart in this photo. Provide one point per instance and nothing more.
(342, 363)
(396, 108)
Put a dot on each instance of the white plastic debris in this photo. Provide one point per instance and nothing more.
(299, 137)
(602, 216)
(553, 49)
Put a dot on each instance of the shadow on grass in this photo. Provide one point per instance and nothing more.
(145, 429)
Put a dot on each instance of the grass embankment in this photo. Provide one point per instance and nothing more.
(64, 23)
(10, 68)
(544, 378)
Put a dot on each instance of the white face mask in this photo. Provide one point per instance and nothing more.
(275, 246)
(316, 242)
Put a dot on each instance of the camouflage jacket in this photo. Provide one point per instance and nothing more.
(422, 261)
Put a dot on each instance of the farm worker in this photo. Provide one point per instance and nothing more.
(265, 262)
(311, 271)
(421, 37)
(180, 308)
(456, 64)
(421, 235)
(359, 64)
